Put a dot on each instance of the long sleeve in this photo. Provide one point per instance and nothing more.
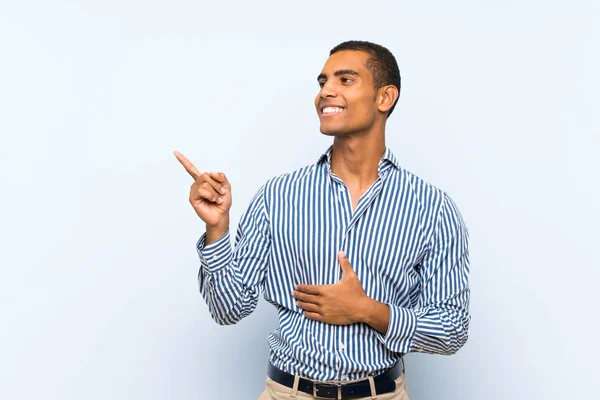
(440, 322)
(230, 281)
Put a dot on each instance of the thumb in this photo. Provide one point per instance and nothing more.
(345, 264)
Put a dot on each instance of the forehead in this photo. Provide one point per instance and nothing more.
(347, 59)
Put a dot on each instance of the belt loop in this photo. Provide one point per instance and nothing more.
(295, 388)
(402, 359)
(373, 391)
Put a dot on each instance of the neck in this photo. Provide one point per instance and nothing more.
(355, 159)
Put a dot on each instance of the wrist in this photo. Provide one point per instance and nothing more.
(216, 231)
(375, 314)
(365, 309)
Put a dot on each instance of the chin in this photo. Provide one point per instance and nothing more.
(327, 133)
(332, 130)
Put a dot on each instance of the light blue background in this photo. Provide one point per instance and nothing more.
(98, 291)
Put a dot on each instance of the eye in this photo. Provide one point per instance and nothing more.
(346, 80)
(321, 84)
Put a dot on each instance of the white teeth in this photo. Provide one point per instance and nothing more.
(329, 110)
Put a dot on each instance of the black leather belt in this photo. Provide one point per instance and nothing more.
(384, 383)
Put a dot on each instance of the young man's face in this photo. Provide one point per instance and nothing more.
(346, 102)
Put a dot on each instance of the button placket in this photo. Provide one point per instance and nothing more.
(344, 200)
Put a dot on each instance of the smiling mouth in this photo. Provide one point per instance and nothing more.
(331, 110)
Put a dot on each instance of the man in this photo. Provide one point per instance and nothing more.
(363, 260)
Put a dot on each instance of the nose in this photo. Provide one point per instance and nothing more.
(327, 90)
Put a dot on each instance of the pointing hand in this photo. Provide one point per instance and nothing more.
(210, 194)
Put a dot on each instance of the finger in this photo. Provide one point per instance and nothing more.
(308, 306)
(310, 289)
(345, 264)
(207, 186)
(187, 164)
(314, 316)
(217, 186)
(221, 178)
(308, 298)
(207, 194)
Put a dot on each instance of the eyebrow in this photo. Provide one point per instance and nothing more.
(339, 72)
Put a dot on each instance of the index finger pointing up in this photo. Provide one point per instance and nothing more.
(187, 164)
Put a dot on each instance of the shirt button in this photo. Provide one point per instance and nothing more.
(344, 377)
(213, 258)
(341, 188)
(342, 346)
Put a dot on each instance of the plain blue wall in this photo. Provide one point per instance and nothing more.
(98, 290)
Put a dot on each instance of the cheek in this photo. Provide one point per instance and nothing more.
(362, 111)
(369, 107)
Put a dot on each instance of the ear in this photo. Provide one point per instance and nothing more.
(387, 98)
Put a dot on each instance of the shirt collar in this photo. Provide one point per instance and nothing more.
(388, 159)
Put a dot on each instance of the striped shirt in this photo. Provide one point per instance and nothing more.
(406, 241)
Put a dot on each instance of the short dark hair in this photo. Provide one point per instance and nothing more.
(381, 63)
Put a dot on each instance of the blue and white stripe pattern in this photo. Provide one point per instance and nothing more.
(406, 240)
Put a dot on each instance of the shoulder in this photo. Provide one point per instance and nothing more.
(434, 201)
(428, 195)
(288, 180)
(279, 187)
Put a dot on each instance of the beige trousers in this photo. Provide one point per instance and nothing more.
(276, 391)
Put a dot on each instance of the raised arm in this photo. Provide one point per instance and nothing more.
(229, 280)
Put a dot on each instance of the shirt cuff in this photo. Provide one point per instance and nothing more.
(216, 255)
(401, 329)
